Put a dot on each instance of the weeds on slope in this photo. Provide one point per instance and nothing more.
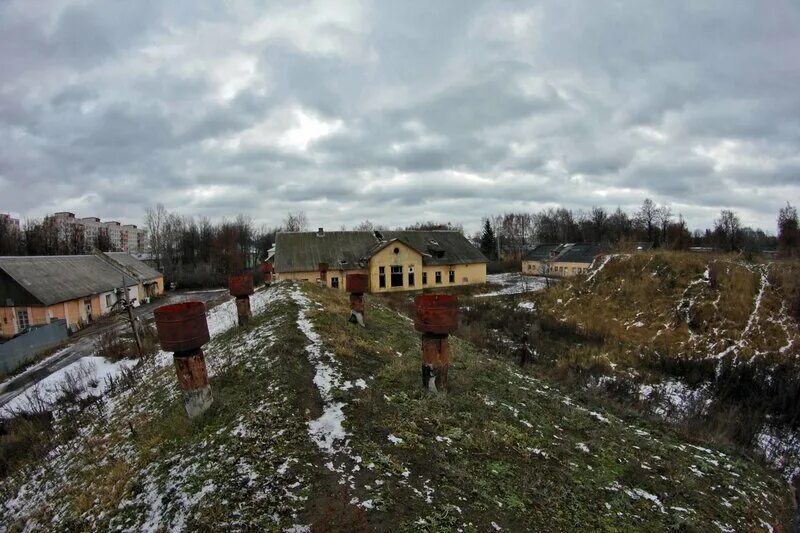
(502, 449)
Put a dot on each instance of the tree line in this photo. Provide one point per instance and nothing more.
(509, 235)
(47, 237)
(196, 252)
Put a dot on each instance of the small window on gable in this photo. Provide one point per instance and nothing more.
(397, 250)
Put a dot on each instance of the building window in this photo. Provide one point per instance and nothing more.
(108, 300)
(410, 276)
(335, 283)
(452, 277)
(382, 277)
(22, 319)
(438, 277)
(397, 250)
(424, 278)
(397, 276)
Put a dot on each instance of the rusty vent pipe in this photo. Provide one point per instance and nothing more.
(183, 329)
(436, 318)
(357, 285)
(242, 287)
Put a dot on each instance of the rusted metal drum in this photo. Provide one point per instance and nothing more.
(266, 268)
(357, 283)
(241, 285)
(436, 313)
(182, 327)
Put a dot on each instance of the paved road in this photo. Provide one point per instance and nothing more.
(82, 344)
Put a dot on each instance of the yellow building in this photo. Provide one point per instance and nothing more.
(393, 260)
(560, 260)
(76, 288)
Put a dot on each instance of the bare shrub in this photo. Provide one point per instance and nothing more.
(111, 346)
(72, 388)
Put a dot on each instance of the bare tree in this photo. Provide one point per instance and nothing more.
(296, 222)
(154, 220)
(368, 225)
(647, 216)
(727, 229)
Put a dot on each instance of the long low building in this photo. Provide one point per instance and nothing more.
(393, 260)
(560, 260)
(76, 288)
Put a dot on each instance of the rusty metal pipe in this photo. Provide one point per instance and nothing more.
(435, 361)
(323, 274)
(183, 329)
(357, 285)
(242, 287)
(436, 318)
(266, 271)
(243, 311)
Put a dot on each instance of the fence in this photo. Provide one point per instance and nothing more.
(24, 348)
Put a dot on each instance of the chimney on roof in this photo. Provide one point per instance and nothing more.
(320, 232)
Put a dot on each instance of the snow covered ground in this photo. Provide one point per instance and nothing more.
(87, 374)
(514, 283)
(91, 374)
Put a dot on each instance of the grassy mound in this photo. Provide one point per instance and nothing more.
(320, 425)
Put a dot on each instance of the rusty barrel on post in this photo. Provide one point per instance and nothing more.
(357, 285)
(436, 318)
(241, 287)
(183, 330)
(323, 274)
(266, 270)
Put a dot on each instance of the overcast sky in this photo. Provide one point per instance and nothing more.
(398, 111)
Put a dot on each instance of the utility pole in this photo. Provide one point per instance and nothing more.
(127, 303)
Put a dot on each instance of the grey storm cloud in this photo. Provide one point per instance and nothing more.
(398, 111)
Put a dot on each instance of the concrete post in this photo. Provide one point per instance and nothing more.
(435, 361)
(243, 311)
(193, 381)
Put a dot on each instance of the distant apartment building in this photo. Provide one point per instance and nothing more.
(121, 237)
(8, 219)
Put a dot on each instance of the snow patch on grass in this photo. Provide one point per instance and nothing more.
(328, 429)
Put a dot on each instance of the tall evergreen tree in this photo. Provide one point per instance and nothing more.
(488, 241)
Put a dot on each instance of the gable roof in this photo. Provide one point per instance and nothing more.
(349, 250)
(51, 279)
(134, 267)
(383, 244)
(579, 253)
(542, 251)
